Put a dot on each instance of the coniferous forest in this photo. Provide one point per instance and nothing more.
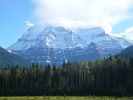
(112, 77)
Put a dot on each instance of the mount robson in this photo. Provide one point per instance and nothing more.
(56, 44)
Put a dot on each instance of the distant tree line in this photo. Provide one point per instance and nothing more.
(112, 76)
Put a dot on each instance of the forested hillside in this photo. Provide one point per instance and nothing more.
(128, 52)
(113, 76)
(7, 58)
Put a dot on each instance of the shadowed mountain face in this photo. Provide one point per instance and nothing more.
(56, 44)
(128, 52)
(7, 58)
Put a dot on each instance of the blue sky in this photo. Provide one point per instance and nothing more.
(116, 16)
(13, 14)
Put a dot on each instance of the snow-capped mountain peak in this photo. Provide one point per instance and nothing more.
(57, 43)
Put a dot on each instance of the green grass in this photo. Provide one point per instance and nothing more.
(65, 98)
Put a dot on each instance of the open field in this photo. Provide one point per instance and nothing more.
(65, 98)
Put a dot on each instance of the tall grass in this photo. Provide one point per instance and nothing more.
(65, 98)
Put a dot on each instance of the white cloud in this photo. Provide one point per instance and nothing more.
(29, 24)
(129, 30)
(128, 33)
(93, 12)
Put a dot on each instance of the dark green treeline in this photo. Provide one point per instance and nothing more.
(113, 76)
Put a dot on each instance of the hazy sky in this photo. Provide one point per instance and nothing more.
(115, 16)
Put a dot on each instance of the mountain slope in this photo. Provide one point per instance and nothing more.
(127, 52)
(54, 44)
(6, 58)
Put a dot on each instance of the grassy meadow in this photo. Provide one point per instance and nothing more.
(65, 98)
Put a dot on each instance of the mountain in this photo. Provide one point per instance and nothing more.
(7, 58)
(55, 44)
(127, 52)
